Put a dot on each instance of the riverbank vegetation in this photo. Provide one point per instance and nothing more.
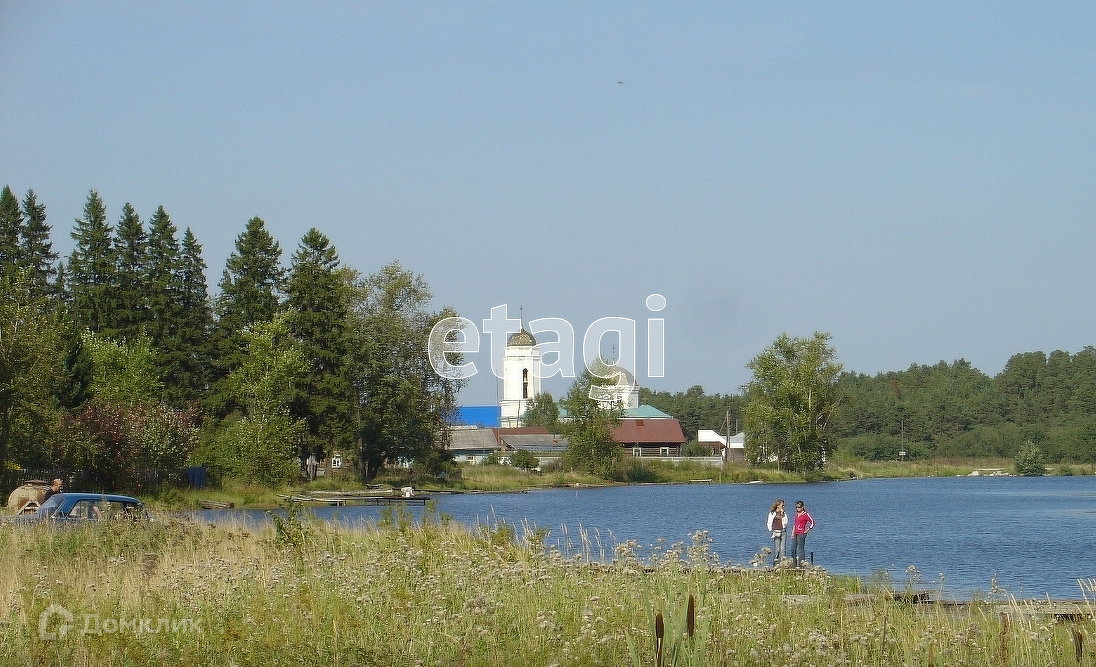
(474, 478)
(437, 593)
(504, 478)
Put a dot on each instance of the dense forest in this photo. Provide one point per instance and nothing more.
(118, 358)
(942, 410)
(956, 410)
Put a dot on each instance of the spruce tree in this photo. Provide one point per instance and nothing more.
(60, 289)
(11, 228)
(250, 289)
(317, 300)
(132, 289)
(165, 291)
(38, 257)
(91, 269)
(253, 280)
(194, 324)
(73, 388)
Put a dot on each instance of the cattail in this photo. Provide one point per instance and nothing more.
(1002, 646)
(660, 631)
(690, 616)
(1078, 644)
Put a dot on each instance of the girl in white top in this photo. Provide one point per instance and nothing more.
(777, 524)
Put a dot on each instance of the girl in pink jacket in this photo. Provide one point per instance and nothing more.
(801, 525)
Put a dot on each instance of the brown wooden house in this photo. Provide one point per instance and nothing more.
(649, 437)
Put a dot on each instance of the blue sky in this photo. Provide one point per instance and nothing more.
(917, 180)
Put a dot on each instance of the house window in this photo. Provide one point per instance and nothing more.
(637, 452)
(525, 383)
(663, 451)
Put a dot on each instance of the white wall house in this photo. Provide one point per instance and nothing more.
(731, 449)
(710, 438)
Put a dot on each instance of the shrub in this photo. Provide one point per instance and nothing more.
(524, 460)
(1030, 460)
(636, 472)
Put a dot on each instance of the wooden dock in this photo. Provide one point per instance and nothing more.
(390, 500)
(341, 499)
(1060, 610)
(216, 505)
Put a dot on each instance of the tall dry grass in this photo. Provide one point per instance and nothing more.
(435, 593)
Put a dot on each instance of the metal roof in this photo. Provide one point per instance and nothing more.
(649, 431)
(472, 439)
(646, 412)
(487, 416)
(537, 444)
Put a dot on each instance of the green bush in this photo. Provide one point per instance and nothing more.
(1030, 460)
(524, 460)
(635, 472)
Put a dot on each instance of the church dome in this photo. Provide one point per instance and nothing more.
(521, 339)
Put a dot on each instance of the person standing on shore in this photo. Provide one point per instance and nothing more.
(777, 524)
(801, 525)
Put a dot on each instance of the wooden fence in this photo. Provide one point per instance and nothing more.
(81, 480)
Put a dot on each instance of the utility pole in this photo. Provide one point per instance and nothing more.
(902, 442)
(727, 444)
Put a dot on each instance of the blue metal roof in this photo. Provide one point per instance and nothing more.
(646, 412)
(486, 416)
(642, 412)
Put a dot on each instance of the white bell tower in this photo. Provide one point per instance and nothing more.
(520, 377)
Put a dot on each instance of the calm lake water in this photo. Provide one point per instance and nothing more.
(1036, 536)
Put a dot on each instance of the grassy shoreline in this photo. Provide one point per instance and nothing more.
(436, 593)
(505, 478)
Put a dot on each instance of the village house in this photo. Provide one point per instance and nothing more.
(480, 431)
(649, 435)
(732, 450)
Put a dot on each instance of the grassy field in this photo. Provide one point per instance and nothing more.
(436, 593)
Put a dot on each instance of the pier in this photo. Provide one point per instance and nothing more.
(1059, 610)
(339, 499)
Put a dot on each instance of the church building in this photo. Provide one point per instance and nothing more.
(520, 377)
(643, 430)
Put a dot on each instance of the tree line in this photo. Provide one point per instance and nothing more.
(802, 407)
(956, 410)
(117, 356)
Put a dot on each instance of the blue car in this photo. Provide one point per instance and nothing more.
(72, 508)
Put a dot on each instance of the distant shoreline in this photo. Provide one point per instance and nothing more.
(504, 479)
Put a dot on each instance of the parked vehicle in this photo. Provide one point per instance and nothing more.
(73, 508)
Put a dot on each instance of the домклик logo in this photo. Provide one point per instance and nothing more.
(65, 615)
